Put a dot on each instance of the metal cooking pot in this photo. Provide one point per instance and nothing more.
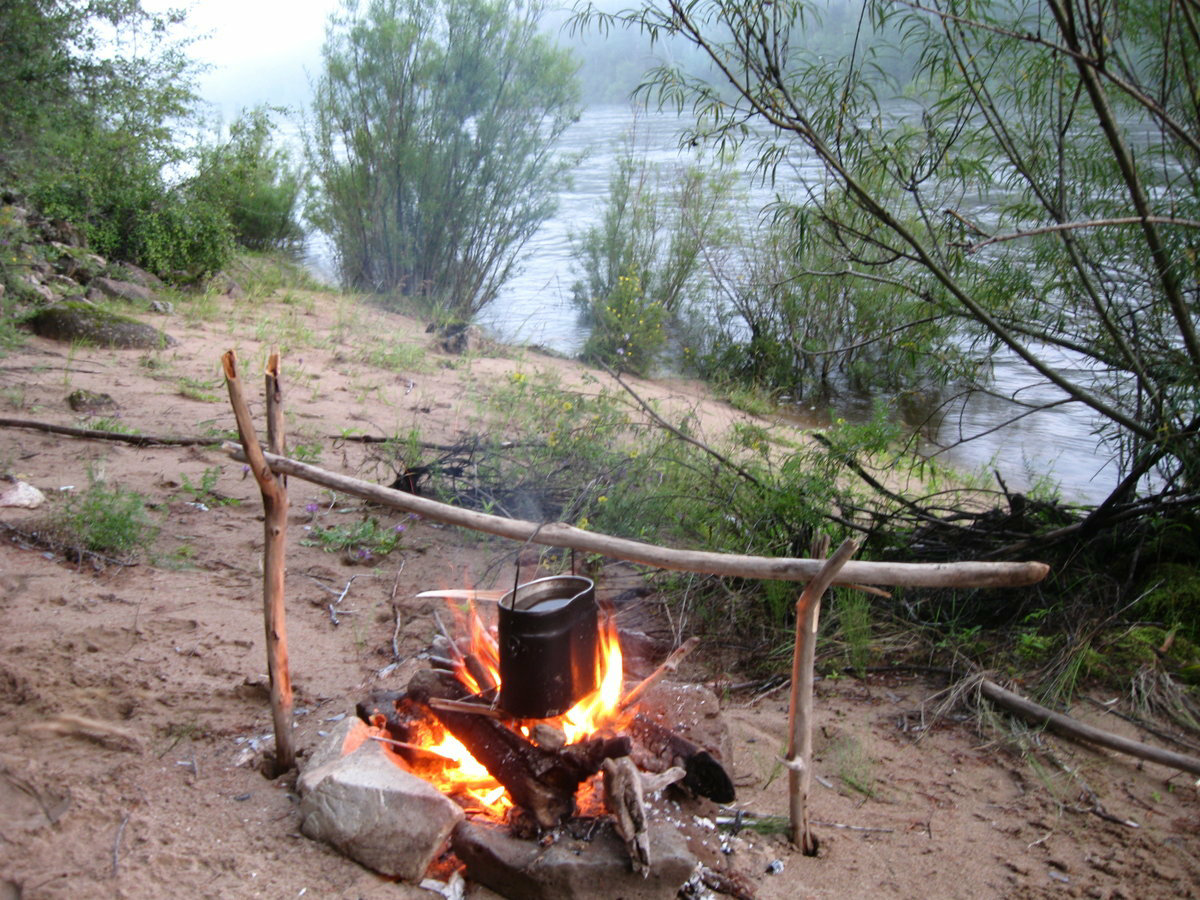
(549, 636)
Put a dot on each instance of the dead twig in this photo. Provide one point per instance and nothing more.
(1070, 728)
(137, 440)
(463, 706)
(396, 615)
(669, 665)
(116, 851)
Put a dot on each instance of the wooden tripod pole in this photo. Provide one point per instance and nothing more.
(274, 496)
(799, 752)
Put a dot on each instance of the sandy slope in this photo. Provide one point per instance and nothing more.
(165, 660)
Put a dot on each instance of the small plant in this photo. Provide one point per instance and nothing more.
(195, 389)
(395, 356)
(309, 452)
(104, 520)
(854, 620)
(362, 542)
(204, 491)
(111, 424)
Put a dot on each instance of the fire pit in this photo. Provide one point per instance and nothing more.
(499, 745)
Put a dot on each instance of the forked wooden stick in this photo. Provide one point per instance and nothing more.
(799, 752)
(274, 496)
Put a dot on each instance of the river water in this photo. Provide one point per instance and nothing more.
(1056, 446)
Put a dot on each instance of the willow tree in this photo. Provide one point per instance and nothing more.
(431, 139)
(1025, 169)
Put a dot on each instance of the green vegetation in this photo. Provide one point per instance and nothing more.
(433, 129)
(205, 491)
(95, 101)
(362, 542)
(1082, 144)
(645, 258)
(103, 519)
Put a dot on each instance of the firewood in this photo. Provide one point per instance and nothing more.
(705, 774)
(540, 781)
(623, 797)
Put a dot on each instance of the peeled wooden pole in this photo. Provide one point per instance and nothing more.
(558, 534)
(799, 752)
(274, 496)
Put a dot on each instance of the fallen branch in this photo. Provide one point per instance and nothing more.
(138, 440)
(670, 664)
(1070, 728)
(558, 534)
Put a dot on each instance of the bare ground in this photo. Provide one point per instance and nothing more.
(129, 694)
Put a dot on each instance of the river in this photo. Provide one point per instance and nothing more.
(1056, 446)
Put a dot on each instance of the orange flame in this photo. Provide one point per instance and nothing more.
(589, 715)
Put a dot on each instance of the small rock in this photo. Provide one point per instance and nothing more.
(222, 283)
(140, 276)
(89, 401)
(21, 495)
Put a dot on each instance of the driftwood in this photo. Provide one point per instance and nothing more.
(1070, 728)
(624, 799)
(705, 774)
(799, 751)
(558, 534)
(542, 782)
(274, 496)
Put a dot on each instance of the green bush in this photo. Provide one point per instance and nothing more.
(107, 520)
(254, 182)
(644, 258)
(431, 142)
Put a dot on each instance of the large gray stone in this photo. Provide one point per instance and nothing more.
(122, 290)
(72, 321)
(372, 809)
(571, 868)
(344, 739)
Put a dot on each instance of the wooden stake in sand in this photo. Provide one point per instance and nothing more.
(799, 753)
(274, 496)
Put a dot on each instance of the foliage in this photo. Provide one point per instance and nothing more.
(254, 180)
(791, 326)
(431, 140)
(1037, 191)
(646, 257)
(89, 126)
(103, 519)
(362, 541)
(205, 492)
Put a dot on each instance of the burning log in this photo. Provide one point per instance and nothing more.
(705, 774)
(542, 782)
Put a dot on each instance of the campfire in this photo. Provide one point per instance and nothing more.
(527, 724)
